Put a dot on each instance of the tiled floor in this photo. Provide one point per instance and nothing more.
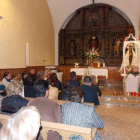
(121, 122)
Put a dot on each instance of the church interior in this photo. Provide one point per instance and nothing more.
(92, 37)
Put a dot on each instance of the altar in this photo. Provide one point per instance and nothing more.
(92, 71)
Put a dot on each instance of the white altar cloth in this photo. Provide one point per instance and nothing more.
(131, 83)
(92, 71)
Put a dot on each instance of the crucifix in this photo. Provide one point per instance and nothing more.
(93, 1)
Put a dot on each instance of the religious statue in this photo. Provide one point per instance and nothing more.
(116, 47)
(93, 43)
(130, 57)
(72, 48)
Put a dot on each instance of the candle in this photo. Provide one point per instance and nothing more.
(27, 54)
(134, 93)
(131, 93)
(103, 65)
(138, 94)
(98, 65)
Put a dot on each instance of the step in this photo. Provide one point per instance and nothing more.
(120, 101)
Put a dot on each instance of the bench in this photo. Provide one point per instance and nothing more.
(64, 130)
(60, 102)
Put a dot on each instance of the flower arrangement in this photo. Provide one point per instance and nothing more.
(130, 70)
(92, 54)
(48, 72)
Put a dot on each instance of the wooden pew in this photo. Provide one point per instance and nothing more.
(60, 102)
(64, 130)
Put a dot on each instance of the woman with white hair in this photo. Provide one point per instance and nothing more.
(23, 125)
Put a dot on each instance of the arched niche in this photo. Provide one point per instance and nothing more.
(100, 20)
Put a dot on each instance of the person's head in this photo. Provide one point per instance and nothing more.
(76, 95)
(23, 125)
(41, 88)
(87, 81)
(41, 75)
(7, 75)
(14, 88)
(49, 80)
(54, 77)
(91, 64)
(73, 75)
(32, 71)
(66, 86)
(30, 79)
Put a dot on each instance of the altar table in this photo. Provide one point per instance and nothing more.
(131, 83)
(92, 71)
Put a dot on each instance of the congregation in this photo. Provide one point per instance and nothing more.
(15, 89)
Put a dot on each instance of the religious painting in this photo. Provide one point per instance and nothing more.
(72, 48)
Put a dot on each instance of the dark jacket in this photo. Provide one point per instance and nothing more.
(90, 96)
(64, 95)
(96, 88)
(29, 91)
(13, 103)
(73, 83)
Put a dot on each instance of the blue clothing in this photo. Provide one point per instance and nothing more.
(78, 114)
(13, 103)
(8, 80)
(96, 88)
(90, 95)
(73, 83)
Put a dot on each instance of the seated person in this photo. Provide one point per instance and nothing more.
(90, 95)
(49, 110)
(72, 81)
(65, 93)
(53, 91)
(78, 114)
(55, 82)
(2, 92)
(6, 79)
(29, 86)
(94, 86)
(24, 125)
(13, 101)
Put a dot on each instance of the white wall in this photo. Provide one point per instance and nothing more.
(62, 9)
